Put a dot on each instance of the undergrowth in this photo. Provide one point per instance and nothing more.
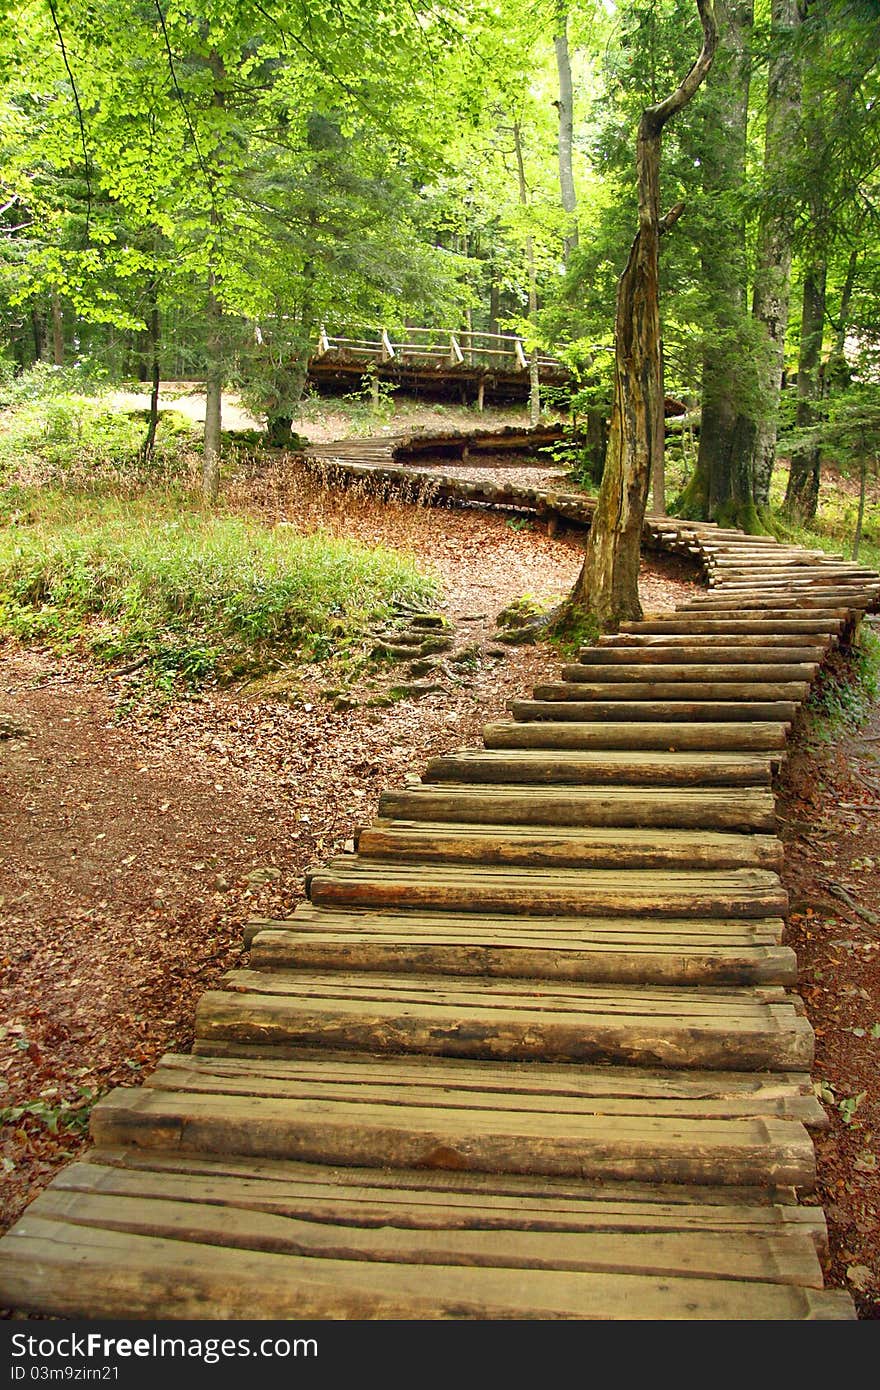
(187, 595)
(846, 690)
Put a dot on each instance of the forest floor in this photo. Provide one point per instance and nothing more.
(141, 835)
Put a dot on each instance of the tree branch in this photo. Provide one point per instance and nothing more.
(79, 117)
(655, 117)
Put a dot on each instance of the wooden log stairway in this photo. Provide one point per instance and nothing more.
(531, 1052)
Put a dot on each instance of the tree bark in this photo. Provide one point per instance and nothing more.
(534, 375)
(774, 244)
(565, 107)
(155, 369)
(836, 375)
(802, 491)
(57, 330)
(213, 397)
(607, 586)
(719, 489)
(214, 311)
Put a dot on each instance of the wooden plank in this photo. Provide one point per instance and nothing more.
(745, 808)
(537, 1089)
(689, 690)
(670, 893)
(586, 848)
(657, 711)
(739, 736)
(739, 1151)
(705, 672)
(393, 1014)
(419, 1200)
(633, 961)
(788, 1258)
(582, 767)
(689, 624)
(69, 1270)
(650, 653)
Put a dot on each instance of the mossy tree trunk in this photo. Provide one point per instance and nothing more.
(720, 488)
(607, 586)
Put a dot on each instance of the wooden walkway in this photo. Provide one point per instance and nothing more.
(531, 1052)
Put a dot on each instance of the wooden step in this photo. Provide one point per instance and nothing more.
(649, 653)
(629, 767)
(67, 1269)
(764, 691)
(507, 1019)
(613, 1124)
(691, 672)
(356, 882)
(742, 737)
(745, 808)
(814, 643)
(656, 712)
(718, 951)
(578, 847)
(688, 625)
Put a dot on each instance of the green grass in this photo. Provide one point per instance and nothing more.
(197, 595)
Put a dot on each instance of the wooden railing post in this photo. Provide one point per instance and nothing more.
(387, 346)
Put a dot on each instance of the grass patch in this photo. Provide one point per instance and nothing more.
(189, 595)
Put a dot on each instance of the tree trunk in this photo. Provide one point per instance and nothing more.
(213, 397)
(534, 374)
(719, 489)
(214, 312)
(565, 106)
(802, 492)
(155, 371)
(607, 586)
(37, 328)
(57, 331)
(863, 485)
(774, 243)
(836, 376)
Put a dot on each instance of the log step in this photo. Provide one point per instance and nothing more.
(600, 847)
(725, 690)
(656, 711)
(760, 643)
(718, 951)
(540, 1120)
(744, 1029)
(742, 737)
(692, 672)
(587, 767)
(689, 625)
(738, 808)
(67, 1268)
(353, 881)
(650, 653)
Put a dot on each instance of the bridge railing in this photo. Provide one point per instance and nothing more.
(435, 347)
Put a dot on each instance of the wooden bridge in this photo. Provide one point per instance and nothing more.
(531, 1052)
(476, 366)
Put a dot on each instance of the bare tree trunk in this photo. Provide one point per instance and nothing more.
(213, 397)
(718, 489)
(214, 311)
(836, 374)
(608, 583)
(565, 106)
(802, 492)
(534, 374)
(57, 330)
(774, 245)
(155, 371)
(863, 484)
